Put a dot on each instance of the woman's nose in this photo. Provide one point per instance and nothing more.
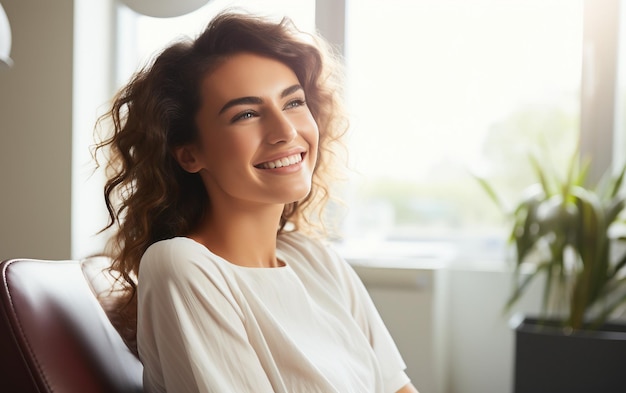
(280, 129)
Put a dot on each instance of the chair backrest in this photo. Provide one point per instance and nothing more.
(55, 335)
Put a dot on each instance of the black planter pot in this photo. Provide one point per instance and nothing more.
(548, 360)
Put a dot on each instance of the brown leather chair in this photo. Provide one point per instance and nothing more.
(55, 335)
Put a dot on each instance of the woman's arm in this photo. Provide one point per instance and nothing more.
(408, 388)
(367, 317)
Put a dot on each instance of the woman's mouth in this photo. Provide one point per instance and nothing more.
(282, 162)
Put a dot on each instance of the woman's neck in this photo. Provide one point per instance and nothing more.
(244, 238)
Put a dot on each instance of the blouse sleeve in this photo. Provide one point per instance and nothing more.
(191, 336)
(367, 317)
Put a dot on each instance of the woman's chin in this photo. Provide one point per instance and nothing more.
(298, 193)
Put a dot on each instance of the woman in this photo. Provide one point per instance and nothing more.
(221, 149)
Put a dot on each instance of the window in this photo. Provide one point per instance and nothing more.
(439, 89)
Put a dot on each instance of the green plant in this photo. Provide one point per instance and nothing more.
(564, 230)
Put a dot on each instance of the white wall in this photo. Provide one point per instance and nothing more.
(480, 341)
(36, 131)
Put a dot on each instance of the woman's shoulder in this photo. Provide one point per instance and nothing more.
(296, 242)
(167, 249)
(311, 251)
(176, 256)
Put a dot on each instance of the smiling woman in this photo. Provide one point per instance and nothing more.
(220, 148)
(257, 143)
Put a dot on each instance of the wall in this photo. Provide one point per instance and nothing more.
(480, 342)
(36, 131)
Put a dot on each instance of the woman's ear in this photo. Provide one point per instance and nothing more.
(187, 158)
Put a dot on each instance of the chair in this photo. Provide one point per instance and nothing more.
(54, 334)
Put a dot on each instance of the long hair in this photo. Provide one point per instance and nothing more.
(149, 197)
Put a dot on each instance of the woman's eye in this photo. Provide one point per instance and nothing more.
(295, 103)
(243, 116)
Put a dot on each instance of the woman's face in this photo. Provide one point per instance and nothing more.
(257, 138)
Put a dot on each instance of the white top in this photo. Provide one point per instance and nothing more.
(207, 325)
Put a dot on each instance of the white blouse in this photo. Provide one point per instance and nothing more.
(207, 325)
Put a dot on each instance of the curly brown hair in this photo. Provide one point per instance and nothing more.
(149, 197)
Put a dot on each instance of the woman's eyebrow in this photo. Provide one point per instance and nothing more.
(241, 101)
(290, 90)
(257, 100)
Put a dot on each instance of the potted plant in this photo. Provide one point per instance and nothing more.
(566, 233)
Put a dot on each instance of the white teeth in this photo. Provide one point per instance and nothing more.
(293, 159)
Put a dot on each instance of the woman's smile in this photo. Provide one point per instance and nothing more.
(288, 161)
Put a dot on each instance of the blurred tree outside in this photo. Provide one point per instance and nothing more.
(449, 202)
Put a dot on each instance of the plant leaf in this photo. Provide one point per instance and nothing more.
(495, 197)
(520, 287)
(617, 183)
